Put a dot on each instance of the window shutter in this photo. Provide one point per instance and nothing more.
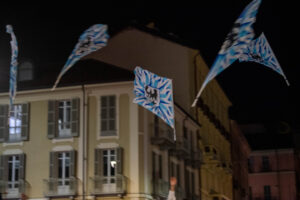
(72, 163)
(119, 160)
(53, 165)
(3, 122)
(98, 169)
(75, 117)
(22, 166)
(112, 114)
(25, 121)
(52, 124)
(4, 167)
(1, 167)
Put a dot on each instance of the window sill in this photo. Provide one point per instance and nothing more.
(63, 139)
(108, 137)
(13, 143)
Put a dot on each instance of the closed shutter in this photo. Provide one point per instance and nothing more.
(25, 122)
(53, 172)
(52, 124)
(119, 160)
(108, 115)
(1, 167)
(22, 167)
(75, 117)
(3, 122)
(4, 168)
(72, 163)
(98, 169)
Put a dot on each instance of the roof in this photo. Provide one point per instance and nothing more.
(83, 72)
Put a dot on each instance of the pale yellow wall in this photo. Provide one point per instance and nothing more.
(133, 48)
(37, 149)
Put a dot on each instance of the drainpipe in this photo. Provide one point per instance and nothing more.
(84, 143)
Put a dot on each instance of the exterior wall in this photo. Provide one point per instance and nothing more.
(281, 175)
(188, 70)
(38, 145)
(212, 113)
(240, 154)
(134, 48)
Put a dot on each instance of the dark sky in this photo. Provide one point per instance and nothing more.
(48, 33)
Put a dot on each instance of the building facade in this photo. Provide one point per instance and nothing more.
(240, 152)
(172, 58)
(87, 139)
(272, 175)
(273, 163)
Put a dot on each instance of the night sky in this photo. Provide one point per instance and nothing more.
(48, 33)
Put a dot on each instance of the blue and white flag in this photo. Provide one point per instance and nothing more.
(13, 66)
(154, 93)
(236, 41)
(261, 52)
(94, 38)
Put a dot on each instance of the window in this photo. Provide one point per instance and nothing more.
(108, 163)
(265, 163)
(185, 131)
(25, 71)
(108, 116)
(250, 193)
(250, 164)
(178, 174)
(12, 172)
(267, 192)
(15, 123)
(14, 128)
(157, 166)
(63, 118)
(64, 168)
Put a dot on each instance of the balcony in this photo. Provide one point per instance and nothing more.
(227, 167)
(160, 188)
(197, 158)
(182, 148)
(108, 186)
(162, 135)
(210, 156)
(13, 190)
(55, 187)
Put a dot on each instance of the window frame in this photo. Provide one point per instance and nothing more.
(60, 131)
(99, 113)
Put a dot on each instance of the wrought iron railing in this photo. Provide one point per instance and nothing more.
(101, 185)
(60, 187)
(13, 189)
(161, 188)
(162, 133)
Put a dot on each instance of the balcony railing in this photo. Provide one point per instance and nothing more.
(182, 148)
(160, 188)
(197, 158)
(60, 187)
(13, 189)
(108, 185)
(162, 135)
(210, 155)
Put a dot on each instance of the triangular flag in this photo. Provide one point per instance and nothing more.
(13, 66)
(261, 52)
(235, 43)
(93, 39)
